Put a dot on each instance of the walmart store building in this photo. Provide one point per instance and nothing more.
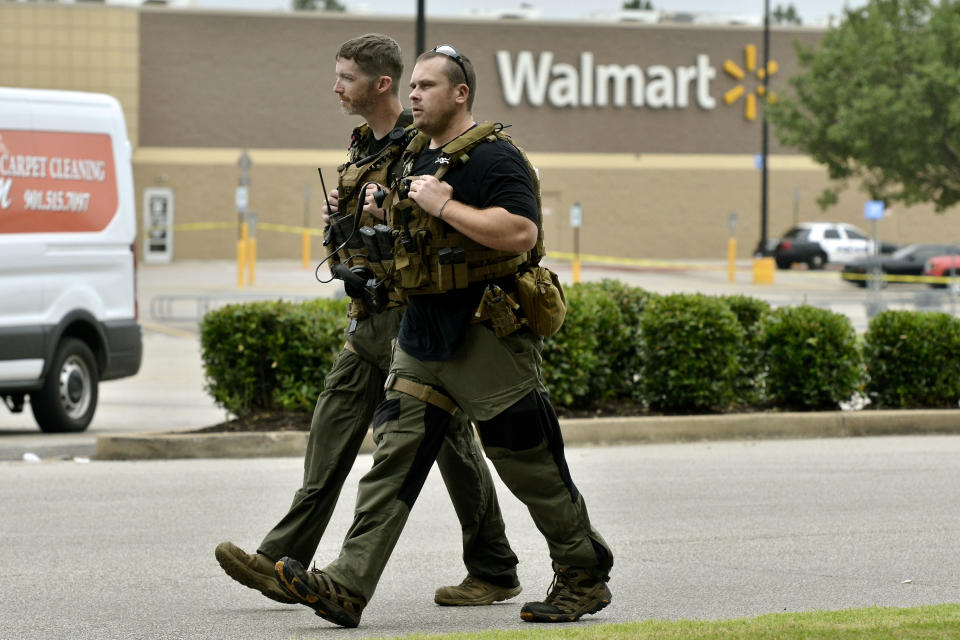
(654, 129)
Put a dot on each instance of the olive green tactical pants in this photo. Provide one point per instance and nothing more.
(497, 382)
(352, 390)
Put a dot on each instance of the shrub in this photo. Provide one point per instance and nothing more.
(266, 356)
(577, 364)
(623, 341)
(689, 348)
(811, 357)
(749, 385)
(913, 359)
(594, 358)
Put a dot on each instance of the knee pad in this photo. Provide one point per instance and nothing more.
(517, 428)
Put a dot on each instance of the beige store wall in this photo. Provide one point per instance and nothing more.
(635, 205)
(78, 48)
(657, 207)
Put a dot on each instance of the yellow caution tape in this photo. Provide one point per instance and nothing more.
(204, 226)
(287, 228)
(634, 262)
(193, 226)
(266, 226)
(562, 255)
(887, 277)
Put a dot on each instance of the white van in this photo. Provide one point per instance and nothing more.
(68, 311)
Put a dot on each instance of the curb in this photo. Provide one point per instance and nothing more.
(590, 431)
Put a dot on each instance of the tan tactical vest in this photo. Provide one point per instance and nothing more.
(431, 257)
(353, 174)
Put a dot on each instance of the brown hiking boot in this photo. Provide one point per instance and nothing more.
(251, 570)
(331, 601)
(474, 592)
(572, 593)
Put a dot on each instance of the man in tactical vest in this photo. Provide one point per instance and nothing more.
(461, 243)
(368, 72)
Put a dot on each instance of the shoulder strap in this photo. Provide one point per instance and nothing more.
(470, 139)
(457, 149)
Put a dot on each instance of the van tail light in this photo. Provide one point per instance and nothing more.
(786, 245)
(136, 302)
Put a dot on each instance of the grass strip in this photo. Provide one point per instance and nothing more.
(920, 623)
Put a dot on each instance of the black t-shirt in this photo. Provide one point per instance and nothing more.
(372, 145)
(434, 326)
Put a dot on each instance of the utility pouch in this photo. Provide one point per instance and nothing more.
(357, 310)
(411, 266)
(384, 235)
(341, 230)
(459, 261)
(452, 268)
(445, 268)
(369, 237)
(541, 300)
(498, 310)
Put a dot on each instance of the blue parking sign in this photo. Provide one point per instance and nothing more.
(873, 210)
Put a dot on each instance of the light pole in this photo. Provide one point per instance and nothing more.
(421, 26)
(762, 247)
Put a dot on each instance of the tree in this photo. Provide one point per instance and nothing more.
(645, 5)
(878, 101)
(311, 5)
(786, 15)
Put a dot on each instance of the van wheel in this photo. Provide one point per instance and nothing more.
(69, 395)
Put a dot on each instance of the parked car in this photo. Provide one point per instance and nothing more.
(942, 266)
(817, 243)
(907, 261)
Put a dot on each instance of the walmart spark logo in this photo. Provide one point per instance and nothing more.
(750, 62)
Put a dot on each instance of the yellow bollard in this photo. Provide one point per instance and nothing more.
(241, 254)
(731, 258)
(252, 259)
(305, 249)
(763, 269)
(576, 271)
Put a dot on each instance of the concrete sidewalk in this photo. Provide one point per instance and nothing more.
(595, 431)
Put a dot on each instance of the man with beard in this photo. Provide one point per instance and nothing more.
(462, 242)
(368, 70)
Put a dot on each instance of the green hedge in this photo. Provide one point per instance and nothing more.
(912, 359)
(749, 385)
(623, 348)
(581, 364)
(690, 345)
(267, 356)
(594, 359)
(811, 358)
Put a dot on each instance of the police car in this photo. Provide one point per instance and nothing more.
(818, 243)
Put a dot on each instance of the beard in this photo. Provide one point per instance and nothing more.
(436, 120)
(362, 104)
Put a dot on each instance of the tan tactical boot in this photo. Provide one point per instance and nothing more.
(331, 601)
(474, 592)
(251, 570)
(573, 593)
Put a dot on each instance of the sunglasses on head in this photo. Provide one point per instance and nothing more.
(451, 53)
